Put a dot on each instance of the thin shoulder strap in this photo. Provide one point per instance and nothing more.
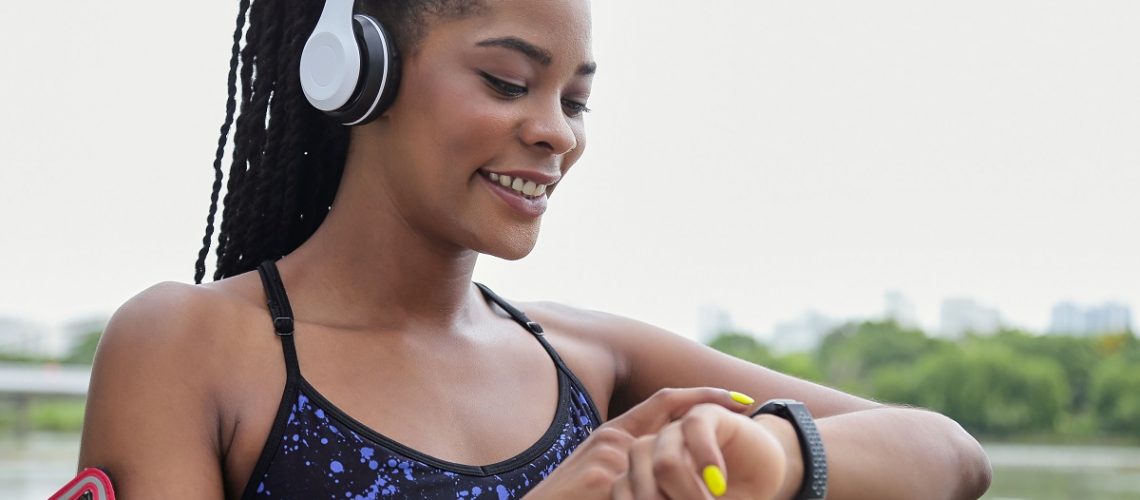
(536, 329)
(281, 314)
(518, 315)
(527, 323)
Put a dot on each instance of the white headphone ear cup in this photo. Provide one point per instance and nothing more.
(330, 63)
(380, 74)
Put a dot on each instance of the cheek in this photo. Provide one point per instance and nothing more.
(467, 127)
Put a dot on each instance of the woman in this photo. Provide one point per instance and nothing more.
(390, 372)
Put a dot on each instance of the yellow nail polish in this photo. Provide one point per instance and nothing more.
(741, 398)
(714, 479)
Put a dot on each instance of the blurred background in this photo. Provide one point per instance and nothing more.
(932, 204)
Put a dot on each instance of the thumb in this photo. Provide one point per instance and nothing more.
(668, 405)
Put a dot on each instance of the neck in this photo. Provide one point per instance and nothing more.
(368, 267)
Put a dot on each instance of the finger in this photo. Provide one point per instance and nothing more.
(623, 490)
(640, 472)
(702, 434)
(668, 405)
(673, 466)
(608, 448)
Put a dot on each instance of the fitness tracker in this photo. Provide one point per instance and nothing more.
(814, 485)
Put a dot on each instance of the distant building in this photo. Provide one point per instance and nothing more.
(23, 337)
(1069, 318)
(26, 338)
(802, 334)
(900, 310)
(711, 322)
(961, 315)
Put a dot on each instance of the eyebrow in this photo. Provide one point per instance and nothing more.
(535, 53)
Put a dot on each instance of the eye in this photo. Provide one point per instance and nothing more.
(506, 89)
(574, 108)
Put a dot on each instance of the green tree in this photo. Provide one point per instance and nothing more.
(1076, 355)
(799, 364)
(1115, 395)
(851, 353)
(84, 352)
(743, 346)
(986, 387)
(746, 347)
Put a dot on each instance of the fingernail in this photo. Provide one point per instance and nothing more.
(714, 479)
(741, 398)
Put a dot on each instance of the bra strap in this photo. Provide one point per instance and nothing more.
(536, 329)
(280, 312)
(518, 315)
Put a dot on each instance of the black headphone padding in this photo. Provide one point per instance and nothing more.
(372, 55)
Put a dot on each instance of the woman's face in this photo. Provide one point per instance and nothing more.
(497, 94)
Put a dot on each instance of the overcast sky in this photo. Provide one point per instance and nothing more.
(764, 157)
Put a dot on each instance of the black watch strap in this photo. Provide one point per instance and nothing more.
(814, 485)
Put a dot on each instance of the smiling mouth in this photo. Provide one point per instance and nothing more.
(522, 187)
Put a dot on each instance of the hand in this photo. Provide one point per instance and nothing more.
(750, 458)
(592, 469)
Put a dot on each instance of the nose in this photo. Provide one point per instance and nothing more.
(547, 127)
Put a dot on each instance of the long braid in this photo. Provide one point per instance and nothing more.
(288, 157)
(297, 140)
(235, 188)
(231, 86)
(263, 167)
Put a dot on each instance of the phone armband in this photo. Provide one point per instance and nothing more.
(90, 484)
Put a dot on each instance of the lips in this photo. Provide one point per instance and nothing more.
(529, 205)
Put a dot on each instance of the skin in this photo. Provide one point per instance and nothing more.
(187, 379)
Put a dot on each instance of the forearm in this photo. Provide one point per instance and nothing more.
(890, 453)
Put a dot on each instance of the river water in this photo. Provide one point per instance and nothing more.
(35, 466)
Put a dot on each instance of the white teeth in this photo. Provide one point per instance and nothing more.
(523, 186)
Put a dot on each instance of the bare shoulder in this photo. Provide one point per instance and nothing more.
(154, 391)
(648, 358)
(585, 324)
(615, 332)
(167, 326)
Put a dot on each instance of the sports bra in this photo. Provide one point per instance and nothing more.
(315, 450)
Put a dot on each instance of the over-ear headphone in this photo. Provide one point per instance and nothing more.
(350, 68)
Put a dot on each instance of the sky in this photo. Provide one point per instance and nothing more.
(765, 158)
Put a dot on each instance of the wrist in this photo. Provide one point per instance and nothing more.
(785, 433)
(814, 460)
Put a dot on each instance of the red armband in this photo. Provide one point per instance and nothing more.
(90, 484)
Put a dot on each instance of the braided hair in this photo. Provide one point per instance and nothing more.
(288, 157)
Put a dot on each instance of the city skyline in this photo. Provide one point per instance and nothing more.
(783, 158)
(958, 316)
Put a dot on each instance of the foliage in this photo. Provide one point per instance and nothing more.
(11, 357)
(1010, 384)
(746, 347)
(986, 388)
(1116, 395)
(851, 353)
(53, 415)
(84, 352)
(742, 346)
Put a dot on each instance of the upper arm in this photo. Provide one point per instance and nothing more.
(151, 419)
(650, 358)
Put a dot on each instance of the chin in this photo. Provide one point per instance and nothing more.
(511, 245)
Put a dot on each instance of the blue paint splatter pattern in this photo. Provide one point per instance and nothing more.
(323, 453)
